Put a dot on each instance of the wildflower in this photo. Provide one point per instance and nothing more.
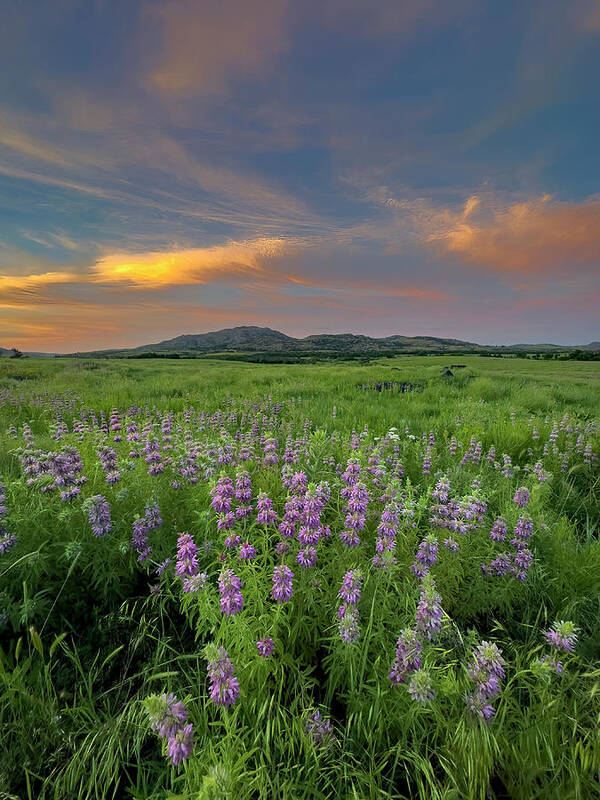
(243, 486)
(498, 532)
(162, 567)
(408, 657)
(420, 687)
(168, 718)
(224, 686)
(351, 585)
(180, 744)
(282, 589)
(307, 557)
(226, 521)
(350, 538)
(264, 506)
(351, 474)
(265, 646)
(221, 494)
(167, 714)
(487, 672)
(320, 729)
(187, 561)
(141, 527)
(232, 600)
(196, 583)
(562, 636)
(425, 556)
(7, 541)
(429, 610)
(521, 497)
(247, 551)
(348, 624)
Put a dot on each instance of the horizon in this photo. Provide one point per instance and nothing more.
(379, 168)
(317, 333)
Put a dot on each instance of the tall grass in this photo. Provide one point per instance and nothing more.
(88, 633)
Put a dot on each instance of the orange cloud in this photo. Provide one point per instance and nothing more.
(17, 290)
(180, 268)
(536, 236)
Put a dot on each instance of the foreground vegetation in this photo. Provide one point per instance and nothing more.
(226, 580)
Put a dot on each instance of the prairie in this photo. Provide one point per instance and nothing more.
(230, 580)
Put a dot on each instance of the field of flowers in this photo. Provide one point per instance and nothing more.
(235, 581)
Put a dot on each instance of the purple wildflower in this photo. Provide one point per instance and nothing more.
(428, 621)
(487, 672)
(307, 557)
(247, 551)
(498, 532)
(320, 729)
(351, 585)
(282, 589)
(562, 636)
(232, 600)
(264, 507)
(180, 744)
(408, 657)
(187, 561)
(265, 646)
(224, 686)
(521, 497)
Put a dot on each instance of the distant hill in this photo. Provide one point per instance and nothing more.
(252, 339)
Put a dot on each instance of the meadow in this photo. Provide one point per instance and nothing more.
(225, 580)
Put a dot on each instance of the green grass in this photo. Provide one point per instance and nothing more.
(83, 642)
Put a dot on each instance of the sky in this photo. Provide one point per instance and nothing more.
(367, 166)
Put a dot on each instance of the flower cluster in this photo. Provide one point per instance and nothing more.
(420, 688)
(265, 646)
(7, 540)
(168, 717)
(562, 638)
(320, 730)
(98, 511)
(357, 498)
(486, 671)
(264, 506)
(232, 600)
(282, 588)
(408, 657)
(386, 536)
(141, 528)
(348, 615)
(224, 686)
(428, 621)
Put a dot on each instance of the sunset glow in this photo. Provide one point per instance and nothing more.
(385, 168)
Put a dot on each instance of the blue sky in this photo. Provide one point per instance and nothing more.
(382, 167)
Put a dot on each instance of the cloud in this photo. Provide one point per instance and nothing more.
(196, 266)
(204, 46)
(537, 236)
(527, 238)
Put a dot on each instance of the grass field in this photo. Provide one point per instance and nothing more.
(439, 636)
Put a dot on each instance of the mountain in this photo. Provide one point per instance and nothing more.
(246, 337)
(252, 339)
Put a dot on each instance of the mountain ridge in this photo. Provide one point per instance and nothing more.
(252, 338)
